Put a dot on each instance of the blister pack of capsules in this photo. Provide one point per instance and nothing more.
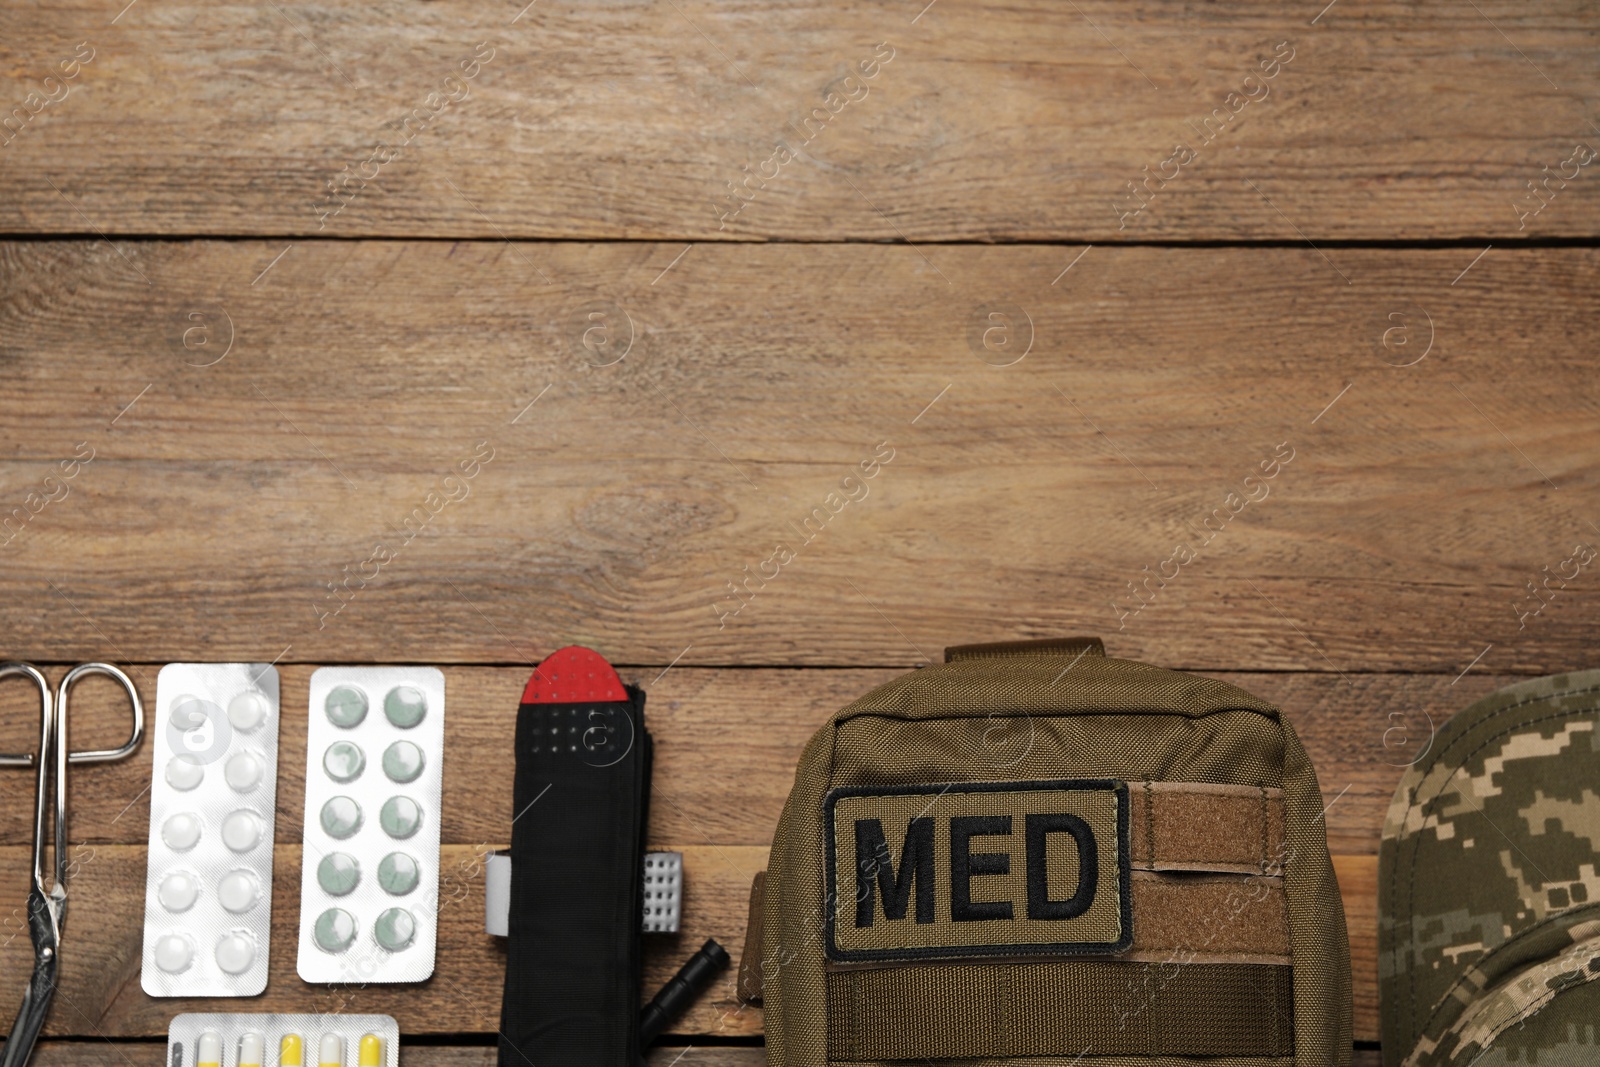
(208, 887)
(239, 1039)
(370, 869)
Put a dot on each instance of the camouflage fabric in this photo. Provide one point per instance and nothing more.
(1488, 889)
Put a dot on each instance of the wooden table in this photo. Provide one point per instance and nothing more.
(271, 273)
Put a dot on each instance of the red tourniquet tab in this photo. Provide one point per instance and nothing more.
(574, 675)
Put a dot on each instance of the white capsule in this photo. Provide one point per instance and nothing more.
(331, 1051)
(252, 1050)
(208, 1050)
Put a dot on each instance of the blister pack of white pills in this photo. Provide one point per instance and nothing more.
(213, 792)
(369, 876)
(275, 1039)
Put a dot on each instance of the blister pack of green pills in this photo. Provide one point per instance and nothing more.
(369, 875)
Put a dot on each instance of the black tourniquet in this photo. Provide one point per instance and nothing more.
(577, 842)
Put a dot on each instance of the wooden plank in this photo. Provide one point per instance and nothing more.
(100, 994)
(727, 742)
(1358, 885)
(61, 1053)
(223, 502)
(127, 1054)
(981, 121)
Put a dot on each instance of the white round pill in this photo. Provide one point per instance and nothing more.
(188, 713)
(184, 772)
(181, 832)
(236, 952)
(243, 771)
(239, 890)
(174, 953)
(241, 830)
(178, 891)
(248, 710)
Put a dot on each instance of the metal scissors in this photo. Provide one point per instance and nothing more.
(47, 908)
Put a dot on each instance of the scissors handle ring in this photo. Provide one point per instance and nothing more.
(105, 755)
(16, 669)
(96, 755)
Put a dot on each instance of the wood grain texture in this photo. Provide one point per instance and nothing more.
(726, 745)
(223, 502)
(279, 422)
(100, 994)
(87, 1053)
(991, 121)
(149, 1054)
(125, 1055)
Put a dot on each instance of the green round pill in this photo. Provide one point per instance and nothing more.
(338, 873)
(402, 761)
(346, 706)
(405, 706)
(344, 761)
(400, 817)
(395, 929)
(335, 930)
(398, 873)
(341, 817)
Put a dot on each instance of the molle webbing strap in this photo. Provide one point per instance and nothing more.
(1193, 826)
(942, 1011)
(1196, 920)
(1197, 917)
(577, 839)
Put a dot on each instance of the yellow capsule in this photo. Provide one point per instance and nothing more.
(208, 1050)
(331, 1052)
(371, 1053)
(291, 1051)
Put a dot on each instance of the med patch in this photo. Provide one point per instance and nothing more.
(993, 869)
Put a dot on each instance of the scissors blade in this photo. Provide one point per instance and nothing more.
(44, 927)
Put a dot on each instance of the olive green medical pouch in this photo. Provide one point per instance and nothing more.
(1033, 854)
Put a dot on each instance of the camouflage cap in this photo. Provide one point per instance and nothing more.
(1488, 894)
